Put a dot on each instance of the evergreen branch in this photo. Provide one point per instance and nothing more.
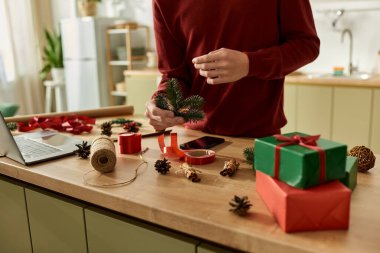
(161, 101)
(192, 115)
(249, 155)
(173, 93)
(194, 102)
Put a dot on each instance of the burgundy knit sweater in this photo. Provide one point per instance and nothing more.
(278, 36)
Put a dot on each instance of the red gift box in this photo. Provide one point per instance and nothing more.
(322, 207)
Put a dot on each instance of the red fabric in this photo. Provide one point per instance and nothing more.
(318, 208)
(307, 142)
(278, 36)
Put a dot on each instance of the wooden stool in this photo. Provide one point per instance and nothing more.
(60, 96)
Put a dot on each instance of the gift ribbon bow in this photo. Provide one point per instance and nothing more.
(305, 141)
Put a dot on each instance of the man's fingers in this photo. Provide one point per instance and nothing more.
(211, 73)
(205, 58)
(217, 80)
(207, 66)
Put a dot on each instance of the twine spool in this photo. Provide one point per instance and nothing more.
(103, 155)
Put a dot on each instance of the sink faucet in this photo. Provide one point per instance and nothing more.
(351, 67)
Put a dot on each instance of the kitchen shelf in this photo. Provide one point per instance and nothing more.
(131, 62)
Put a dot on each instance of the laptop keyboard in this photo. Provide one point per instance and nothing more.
(31, 148)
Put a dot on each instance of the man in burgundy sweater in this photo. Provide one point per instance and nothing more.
(235, 54)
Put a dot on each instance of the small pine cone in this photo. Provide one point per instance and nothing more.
(83, 150)
(106, 128)
(162, 166)
(240, 206)
(132, 127)
(12, 126)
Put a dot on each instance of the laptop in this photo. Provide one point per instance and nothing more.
(36, 147)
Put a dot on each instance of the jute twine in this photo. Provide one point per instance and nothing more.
(103, 154)
(366, 158)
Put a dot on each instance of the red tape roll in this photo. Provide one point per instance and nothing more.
(199, 156)
(129, 143)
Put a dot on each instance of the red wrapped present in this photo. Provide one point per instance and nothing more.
(322, 207)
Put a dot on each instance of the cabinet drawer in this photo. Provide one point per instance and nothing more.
(56, 223)
(111, 233)
(14, 227)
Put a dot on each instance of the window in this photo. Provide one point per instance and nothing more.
(7, 71)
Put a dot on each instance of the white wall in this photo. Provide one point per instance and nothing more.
(363, 18)
(364, 26)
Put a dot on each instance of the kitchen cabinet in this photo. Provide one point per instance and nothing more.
(314, 108)
(56, 223)
(290, 108)
(375, 129)
(14, 227)
(346, 111)
(140, 86)
(108, 232)
(352, 116)
(127, 56)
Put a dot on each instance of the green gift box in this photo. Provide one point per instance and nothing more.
(297, 165)
(349, 179)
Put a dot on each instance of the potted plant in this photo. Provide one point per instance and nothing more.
(87, 7)
(53, 57)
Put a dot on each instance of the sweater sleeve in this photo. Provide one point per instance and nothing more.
(299, 43)
(171, 52)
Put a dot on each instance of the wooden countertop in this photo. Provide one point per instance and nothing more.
(201, 209)
(373, 82)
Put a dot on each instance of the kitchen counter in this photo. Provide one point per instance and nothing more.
(373, 82)
(201, 209)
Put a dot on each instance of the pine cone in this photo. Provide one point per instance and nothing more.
(83, 150)
(106, 128)
(240, 206)
(12, 126)
(162, 166)
(131, 127)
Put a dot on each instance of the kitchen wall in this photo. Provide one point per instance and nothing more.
(364, 23)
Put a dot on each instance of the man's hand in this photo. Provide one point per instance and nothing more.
(222, 66)
(161, 119)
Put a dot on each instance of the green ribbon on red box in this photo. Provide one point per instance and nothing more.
(304, 141)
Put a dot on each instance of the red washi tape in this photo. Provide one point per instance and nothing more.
(129, 143)
(199, 156)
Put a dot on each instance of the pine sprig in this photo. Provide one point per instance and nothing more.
(191, 108)
(249, 155)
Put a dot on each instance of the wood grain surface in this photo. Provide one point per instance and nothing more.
(201, 209)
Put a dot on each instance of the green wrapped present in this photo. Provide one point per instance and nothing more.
(349, 179)
(300, 160)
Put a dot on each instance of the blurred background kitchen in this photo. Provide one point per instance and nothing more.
(108, 58)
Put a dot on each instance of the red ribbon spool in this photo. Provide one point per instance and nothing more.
(193, 157)
(129, 143)
(199, 156)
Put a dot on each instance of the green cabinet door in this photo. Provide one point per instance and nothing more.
(14, 227)
(208, 248)
(112, 233)
(56, 223)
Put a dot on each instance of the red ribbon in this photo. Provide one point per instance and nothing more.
(194, 156)
(129, 143)
(307, 142)
(172, 150)
(72, 124)
(199, 156)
